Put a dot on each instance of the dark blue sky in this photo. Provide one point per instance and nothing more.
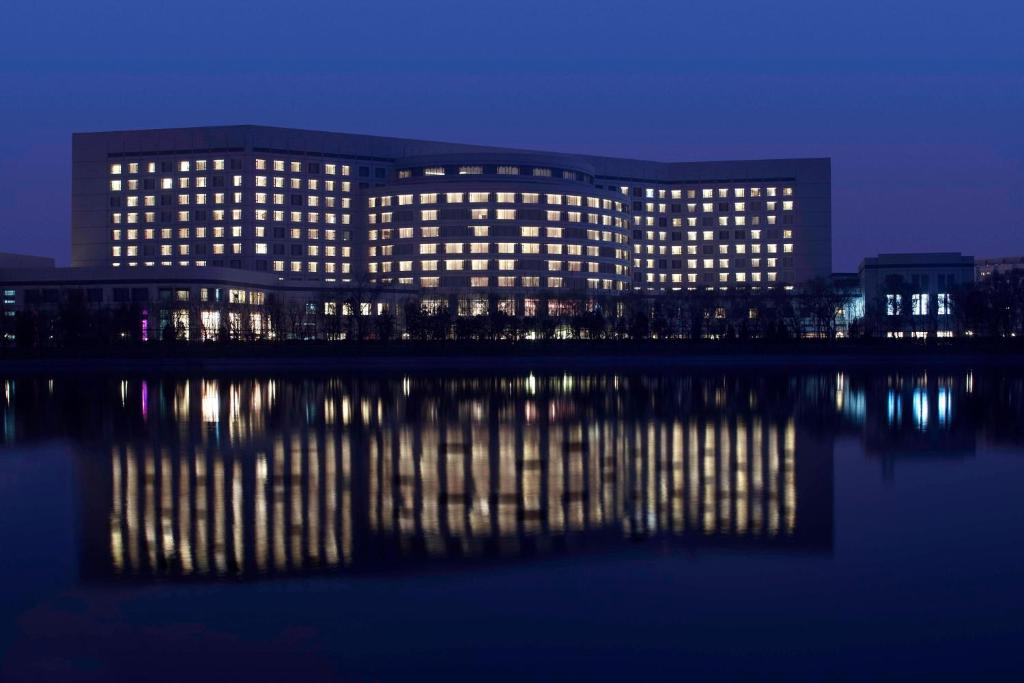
(920, 104)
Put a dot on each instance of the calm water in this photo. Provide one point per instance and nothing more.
(825, 526)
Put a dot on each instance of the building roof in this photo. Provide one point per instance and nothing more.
(18, 261)
(941, 259)
(380, 148)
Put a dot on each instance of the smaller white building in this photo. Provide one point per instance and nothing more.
(912, 294)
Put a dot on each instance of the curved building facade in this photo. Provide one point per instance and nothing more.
(497, 224)
(334, 209)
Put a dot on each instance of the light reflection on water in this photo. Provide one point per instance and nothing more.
(224, 477)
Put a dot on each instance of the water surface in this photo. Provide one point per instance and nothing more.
(716, 525)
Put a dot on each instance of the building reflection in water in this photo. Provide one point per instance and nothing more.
(207, 477)
(378, 473)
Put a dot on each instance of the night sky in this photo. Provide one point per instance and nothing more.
(920, 105)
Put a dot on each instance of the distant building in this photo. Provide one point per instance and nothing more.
(985, 267)
(196, 303)
(911, 294)
(8, 260)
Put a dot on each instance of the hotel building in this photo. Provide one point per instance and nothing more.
(219, 228)
(337, 208)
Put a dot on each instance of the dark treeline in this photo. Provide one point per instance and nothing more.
(991, 309)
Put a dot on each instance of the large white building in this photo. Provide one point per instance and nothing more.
(214, 228)
(330, 207)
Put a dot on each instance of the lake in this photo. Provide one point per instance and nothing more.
(706, 525)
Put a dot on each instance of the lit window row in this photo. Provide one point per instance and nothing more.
(711, 192)
(310, 167)
(495, 197)
(538, 172)
(181, 166)
(198, 182)
(551, 282)
(201, 232)
(721, 278)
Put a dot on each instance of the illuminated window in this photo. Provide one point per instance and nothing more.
(919, 304)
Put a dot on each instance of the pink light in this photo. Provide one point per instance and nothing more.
(145, 400)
